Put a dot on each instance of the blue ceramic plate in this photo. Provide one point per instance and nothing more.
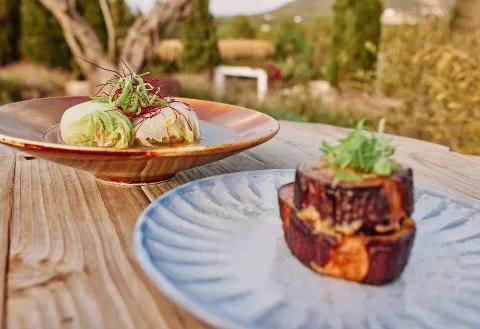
(216, 247)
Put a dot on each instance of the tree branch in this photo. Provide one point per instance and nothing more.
(140, 35)
(81, 38)
(110, 29)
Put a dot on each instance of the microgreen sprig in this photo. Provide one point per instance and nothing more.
(130, 94)
(362, 151)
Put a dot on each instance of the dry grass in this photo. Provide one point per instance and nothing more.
(246, 48)
(21, 81)
(437, 74)
(169, 50)
(35, 76)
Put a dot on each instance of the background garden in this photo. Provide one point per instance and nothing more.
(415, 63)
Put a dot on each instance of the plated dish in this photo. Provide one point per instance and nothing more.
(134, 112)
(348, 213)
(216, 247)
(89, 135)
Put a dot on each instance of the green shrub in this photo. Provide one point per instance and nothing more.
(239, 27)
(290, 39)
(9, 32)
(161, 67)
(10, 91)
(436, 73)
(440, 81)
(298, 69)
(200, 39)
(295, 54)
(302, 108)
(42, 38)
(319, 36)
(356, 38)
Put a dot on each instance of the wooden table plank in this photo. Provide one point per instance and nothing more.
(337, 132)
(433, 165)
(124, 205)
(7, 173)
(71, 259)
(71, 263)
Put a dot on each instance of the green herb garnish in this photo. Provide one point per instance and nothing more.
(362, 151)
(130, 94)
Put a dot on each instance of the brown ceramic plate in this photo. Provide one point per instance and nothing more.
(33, 127)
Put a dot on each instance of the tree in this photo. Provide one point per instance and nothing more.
(290, 39)
(41, 36)
(9, 16)
(240, 28)
(320, 36)
(199, 39)
(122, 18)
(356, 37)
(366, 33)
(92, 13)
(84, 42)
(293, 51)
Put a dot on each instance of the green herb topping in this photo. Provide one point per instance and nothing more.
(131, 94)
(363, 151)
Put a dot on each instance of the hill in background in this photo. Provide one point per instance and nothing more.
(308, 9)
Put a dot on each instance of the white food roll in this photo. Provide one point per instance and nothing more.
(190, 115)
(78, 111)
(162, 127)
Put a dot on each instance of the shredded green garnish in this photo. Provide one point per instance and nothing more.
(104, 129)
(362, 151)
(130, 94)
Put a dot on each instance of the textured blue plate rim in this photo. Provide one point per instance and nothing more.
(165, 286)
(169, 290)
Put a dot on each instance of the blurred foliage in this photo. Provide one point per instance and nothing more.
(158, 66)
(430, 73)
(319, 36)
(9, 32)
(356, 37)
(200, 39)
(303, 108)
(42, 38)
(437, 73)
(298, 69)
(290, 42)
(36, 76)
(430, 69)
(92, 13)
(123, 18)
(294, 53)
(239, 27)
(173, 30)
(10, 91)
(15, 90)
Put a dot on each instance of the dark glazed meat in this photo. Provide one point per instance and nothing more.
(374, 205)
(371, 259)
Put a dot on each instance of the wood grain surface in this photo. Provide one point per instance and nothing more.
(66, 257)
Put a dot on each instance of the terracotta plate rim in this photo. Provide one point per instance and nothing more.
(30, 145)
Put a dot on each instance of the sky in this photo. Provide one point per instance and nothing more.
(225, 7)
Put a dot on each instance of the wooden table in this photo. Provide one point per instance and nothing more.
(66, 239)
